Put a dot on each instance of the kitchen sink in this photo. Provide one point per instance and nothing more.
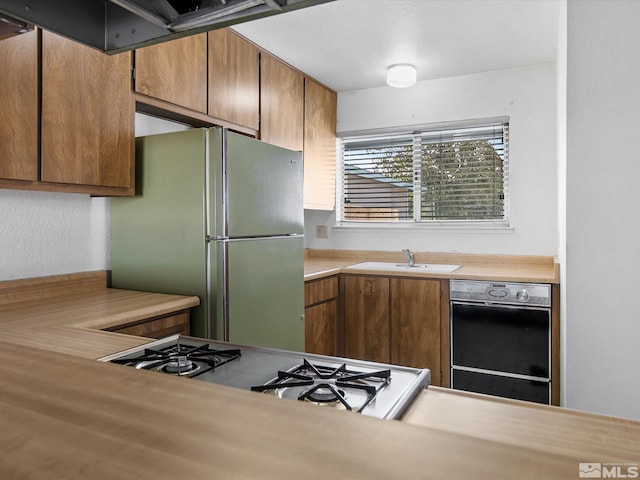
(404, 267)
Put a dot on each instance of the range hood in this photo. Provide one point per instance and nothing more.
(114, 26)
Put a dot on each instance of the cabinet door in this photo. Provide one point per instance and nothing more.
(19, 107)
(281, 104)
(87, 115)
(175, 71)
(234, 78)
(159, 327)
(320, 323)
(319, 147)
(415, 324)
(366, 318)
(322, 290)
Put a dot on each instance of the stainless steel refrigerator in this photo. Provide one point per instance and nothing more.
(218, 215)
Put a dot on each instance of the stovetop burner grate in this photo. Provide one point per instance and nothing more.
(329, 384)
(181, 360)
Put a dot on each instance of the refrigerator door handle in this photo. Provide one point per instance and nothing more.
(266, 237)
(216, 239)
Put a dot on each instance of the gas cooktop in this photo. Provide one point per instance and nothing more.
(369, 388)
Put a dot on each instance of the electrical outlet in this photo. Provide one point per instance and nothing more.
(322, 231)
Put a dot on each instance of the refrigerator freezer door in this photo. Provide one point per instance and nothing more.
(158, 236)
(264, 188)
(266, 292)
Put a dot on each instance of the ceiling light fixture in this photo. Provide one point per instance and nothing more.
(401, 75)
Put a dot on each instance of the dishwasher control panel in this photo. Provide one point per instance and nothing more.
(534, 294)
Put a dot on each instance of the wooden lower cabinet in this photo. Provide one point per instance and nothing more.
(320, 328)
(415, 324)
(158, 327)
(394, 320)
(366, 318)
(321, 332)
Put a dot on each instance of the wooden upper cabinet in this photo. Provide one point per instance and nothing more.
(319, 147)
(281, 104)
(366, 318)
(234, 78)
(87, 115)
(19, 107)
(175, 72)
(415, 324)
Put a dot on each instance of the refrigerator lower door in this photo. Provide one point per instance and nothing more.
(265, 292)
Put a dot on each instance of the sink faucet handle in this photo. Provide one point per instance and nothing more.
(409, 255)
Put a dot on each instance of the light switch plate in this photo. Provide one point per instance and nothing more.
(322, 231)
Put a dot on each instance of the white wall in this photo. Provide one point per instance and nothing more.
(603, 225)
(562, 190)
(528, 96)
(148, 125)
(45, 233)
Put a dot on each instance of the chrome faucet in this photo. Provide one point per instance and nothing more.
(409, 256)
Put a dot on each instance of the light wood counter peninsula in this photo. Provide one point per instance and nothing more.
(595, 438)
(68, 313)
(65, 416)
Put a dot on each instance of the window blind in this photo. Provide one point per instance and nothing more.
(440, 175)
(378, 179)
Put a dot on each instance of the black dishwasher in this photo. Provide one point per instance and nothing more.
(501, 339)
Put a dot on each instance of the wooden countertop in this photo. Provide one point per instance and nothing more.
(594, 438)
(80, 419)
(505, 268)
(315, 268)
(66, 313)
(64, 416)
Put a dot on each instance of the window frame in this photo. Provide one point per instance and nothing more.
(415, 132)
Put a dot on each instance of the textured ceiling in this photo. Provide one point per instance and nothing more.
(348, 44)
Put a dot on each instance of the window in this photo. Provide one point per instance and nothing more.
(441, 175)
